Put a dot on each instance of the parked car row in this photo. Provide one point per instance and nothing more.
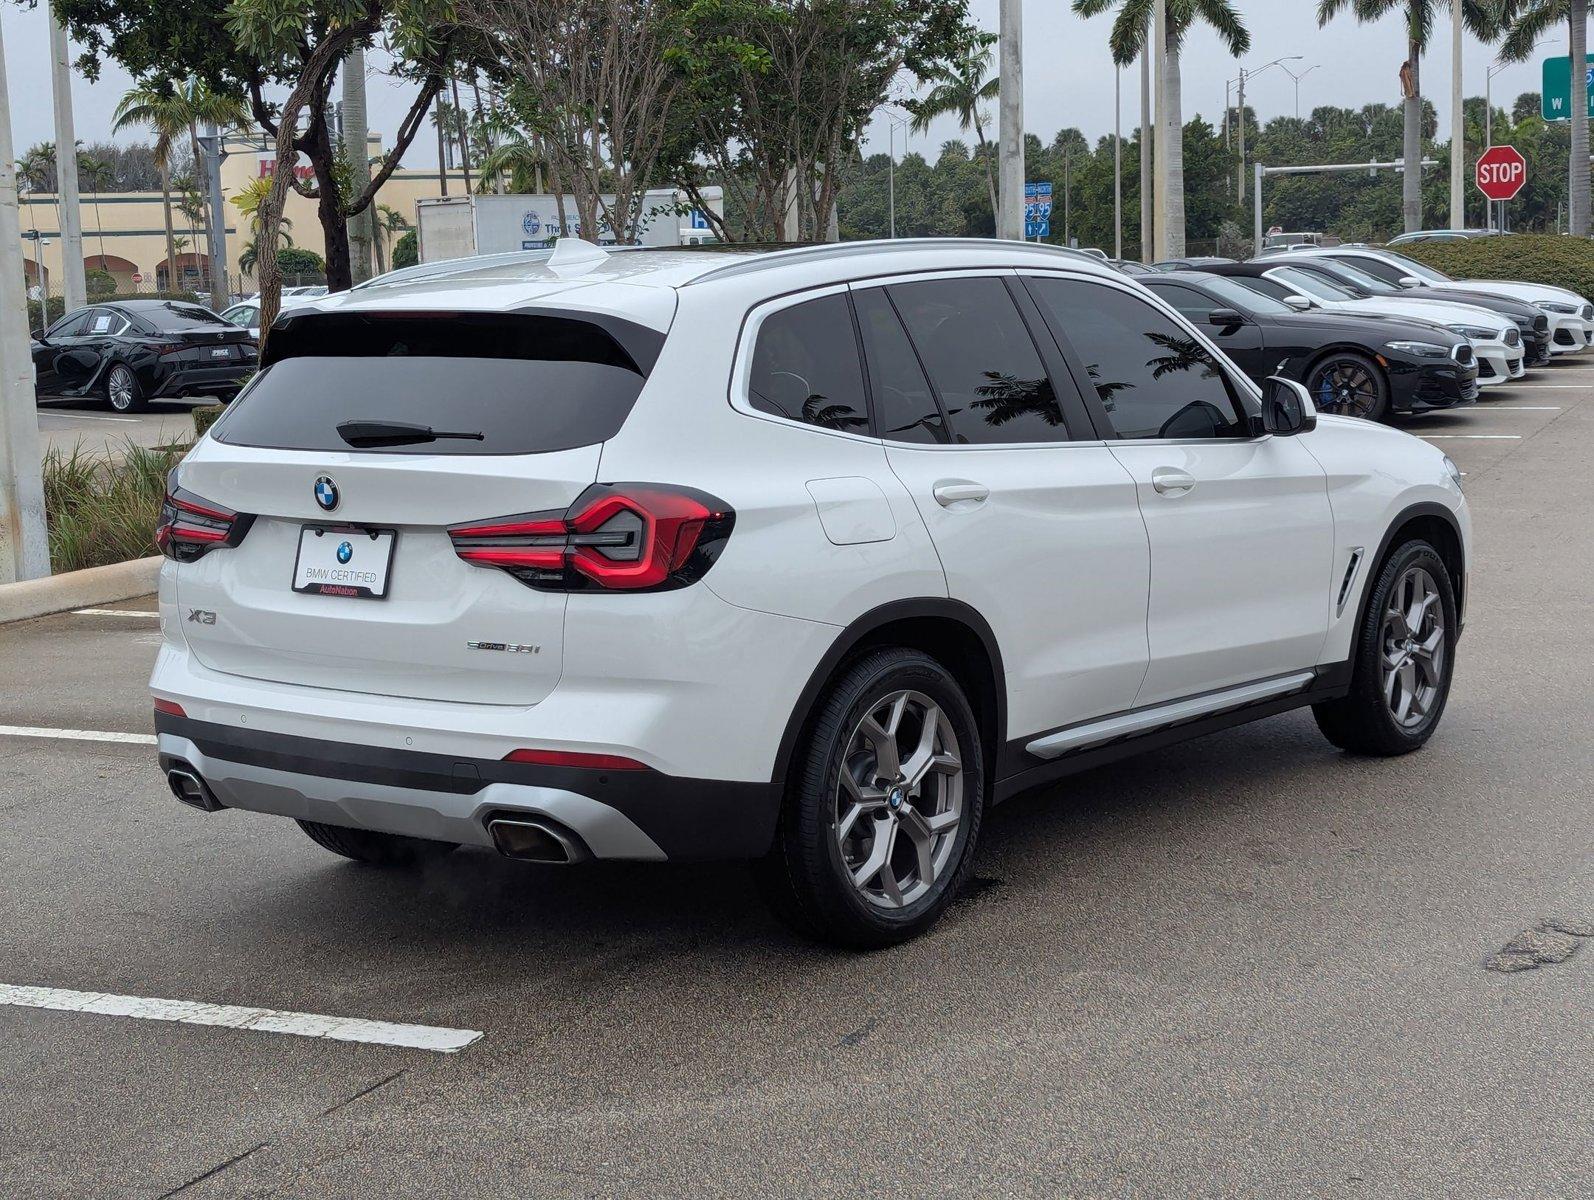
(1369, 331)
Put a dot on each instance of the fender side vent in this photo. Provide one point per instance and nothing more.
(1350, 578)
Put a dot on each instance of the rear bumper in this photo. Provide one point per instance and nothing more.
(616, 814)
(209, 380)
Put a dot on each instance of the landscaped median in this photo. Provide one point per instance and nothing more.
(101, 509)
(1564, 262)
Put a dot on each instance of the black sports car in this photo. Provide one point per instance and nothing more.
(1360, 366)
(1530, 320)
(129, 352)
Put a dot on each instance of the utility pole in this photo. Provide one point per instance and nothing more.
(891, 176)
(1010, 107)
(66, 188)
(1145, 155)
(24, 546)
(354, 148)
(1117, 163)
(1159, 184)
(210, 146)
(1458, 125)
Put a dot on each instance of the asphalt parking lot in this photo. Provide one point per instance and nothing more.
(1245, 966)
(66, 424)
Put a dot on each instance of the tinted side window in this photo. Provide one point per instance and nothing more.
(71, 325)
(1380, 270)
(1154, 379)
(1268, 287)
(1187, 300)
(986, 370)
(806, 368)
(904, 406)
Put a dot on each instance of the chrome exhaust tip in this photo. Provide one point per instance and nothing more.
(188, 787)
(534, 839)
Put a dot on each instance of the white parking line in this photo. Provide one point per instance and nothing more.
(1555, 387)
(1470, 437)
(114, 612)
(89, 417)
(231, 1016)
(76, 735)
(1521, 408)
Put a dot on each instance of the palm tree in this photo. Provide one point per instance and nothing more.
(1524, 23)
(960, 87)
(519, 156)
(163, 113)
(95, 172)
(1479, 16)
(248, 202)
(1131, 31)
(389, 222)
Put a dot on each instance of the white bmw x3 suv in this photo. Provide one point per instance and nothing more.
(805, 557)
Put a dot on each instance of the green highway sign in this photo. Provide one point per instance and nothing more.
(1556, 97)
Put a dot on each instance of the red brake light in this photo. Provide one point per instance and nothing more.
(191, 526)
(571, 758)
(622, 537)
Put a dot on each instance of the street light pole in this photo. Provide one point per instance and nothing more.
(24, 545)
(66, 187)
(891, 175)
(1297, 79)
(1239, 115)
(1146, 225)
(1159, 120)
(1458, 125)
(1010, 190)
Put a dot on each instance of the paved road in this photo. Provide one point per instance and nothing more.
(1246, 966)
(65, 424)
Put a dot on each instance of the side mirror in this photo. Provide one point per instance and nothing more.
(1410, 281)
(1227, 317)
(1287, 408)
(1298, 303)
(38, 336)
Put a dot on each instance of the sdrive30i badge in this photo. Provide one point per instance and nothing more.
(510, 647)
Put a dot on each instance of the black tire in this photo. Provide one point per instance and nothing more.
(1348, 384)
(806, 878)
(1363, 721)
(378, 849)
(121, 389)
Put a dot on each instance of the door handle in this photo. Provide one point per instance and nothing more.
(951, 491)
(1172, 482)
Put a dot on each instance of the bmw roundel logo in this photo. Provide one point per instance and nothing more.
(326, 493)
(345, 552)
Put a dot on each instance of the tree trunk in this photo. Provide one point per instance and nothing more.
(379, 243)
(990, 176)
(442, 157)
(202, 186)
(334, 225)
(171, 237)
(1411, 181)
(1578, 182)
(1175, 194)
(464, 136)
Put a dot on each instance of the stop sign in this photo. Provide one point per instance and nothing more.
(1502, 172)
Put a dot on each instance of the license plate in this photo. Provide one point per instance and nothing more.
(221, 352)
(343, 562)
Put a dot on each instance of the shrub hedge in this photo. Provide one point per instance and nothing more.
(101, 506)
(1566, 262)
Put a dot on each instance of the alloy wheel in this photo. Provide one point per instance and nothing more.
(899, 799)
(1413, 643)
(1346, 388)
(120, 387)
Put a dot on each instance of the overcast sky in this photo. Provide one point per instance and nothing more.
(1068, 80)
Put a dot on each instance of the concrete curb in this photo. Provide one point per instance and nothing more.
(78, 589)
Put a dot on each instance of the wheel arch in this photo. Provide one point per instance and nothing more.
(1360, 351)
(951, 632)
(1435, 524)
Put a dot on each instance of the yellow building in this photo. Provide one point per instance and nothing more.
(124, 233)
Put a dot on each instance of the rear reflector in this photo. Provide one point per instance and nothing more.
(571, 758)
(170, 707)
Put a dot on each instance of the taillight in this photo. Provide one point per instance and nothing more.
(191, 526)
(619, 536)
(574, 758)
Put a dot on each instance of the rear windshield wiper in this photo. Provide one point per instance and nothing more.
(362, 434)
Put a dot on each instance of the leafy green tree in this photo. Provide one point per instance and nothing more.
(164, 113)
(406, 251)
(959, 86)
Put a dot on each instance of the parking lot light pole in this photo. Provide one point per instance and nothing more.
(24, 546)
(1458, 125)
(74, 281)
(1010, 108)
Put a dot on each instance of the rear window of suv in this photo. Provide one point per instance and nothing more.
(526, 383)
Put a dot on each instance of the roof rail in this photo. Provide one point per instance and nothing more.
(827, 251)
